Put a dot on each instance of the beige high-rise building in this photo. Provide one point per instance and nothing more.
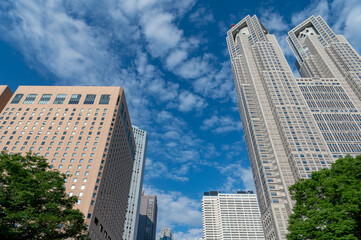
(294, 126)
(5, 95)
(84, 132)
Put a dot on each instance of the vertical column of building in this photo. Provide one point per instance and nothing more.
(211, 216)
(131, 221)
(148, 211)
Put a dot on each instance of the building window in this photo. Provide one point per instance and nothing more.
(30, 98)
(74, 99)
(45, 98)
(60, 98)
(89, 99)
(104, 99)
(17, 98)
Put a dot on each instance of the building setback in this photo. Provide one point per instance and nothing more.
(147, 225)
(231, 216)
(132, 216)
(85, 133)
(5, 95)
(294, 126)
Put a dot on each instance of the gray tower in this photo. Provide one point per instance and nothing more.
(147, 217)
(294, 126)
(131, 221)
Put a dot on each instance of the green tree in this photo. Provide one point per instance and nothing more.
(328, 205)
(33, 201)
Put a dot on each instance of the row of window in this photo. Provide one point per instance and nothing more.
(60, 98)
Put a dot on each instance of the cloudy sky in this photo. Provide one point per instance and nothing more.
(171, 58)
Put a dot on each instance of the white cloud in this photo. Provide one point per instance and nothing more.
(315, 8)
(221, 124)
(347, 15)
(160, 170)
(201, 17)
(216, 84)
(191, 234)
(195, 67)
(160, 31)
(273, 21)
(238, 178)
(175, 209)
(175, 58)
(189, 101)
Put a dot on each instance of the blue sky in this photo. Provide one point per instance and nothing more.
(171, 58)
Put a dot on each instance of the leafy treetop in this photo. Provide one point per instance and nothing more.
(328, 205)
(33, 201)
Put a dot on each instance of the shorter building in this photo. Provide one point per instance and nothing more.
(166, 234)
(5, 95)
(231, 216)
(147, 224)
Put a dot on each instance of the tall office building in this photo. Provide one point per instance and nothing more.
(294, 126)
(5, 95)
(85, 133)
(231, 216)
(166, 234)
(147, 224)
(136, 185)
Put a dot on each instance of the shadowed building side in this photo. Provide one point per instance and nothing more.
(5, 95)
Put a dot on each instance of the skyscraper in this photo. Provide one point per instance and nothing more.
(294, 126)
(85, 133)
(147, 225)
(231, 216)
(136, 185)
(166, 234)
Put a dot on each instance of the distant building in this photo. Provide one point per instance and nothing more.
(85, 133)
(231, 216)
(147, 225)
(166, 234)
(132, 216)
(5, 95)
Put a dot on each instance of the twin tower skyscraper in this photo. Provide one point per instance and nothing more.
(294, 126)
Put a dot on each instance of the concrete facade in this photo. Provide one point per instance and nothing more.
(85, 133)
(136, 186)
(231, 216)
(294, 126)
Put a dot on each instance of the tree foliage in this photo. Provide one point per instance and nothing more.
(328, 205)
(33, 201)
